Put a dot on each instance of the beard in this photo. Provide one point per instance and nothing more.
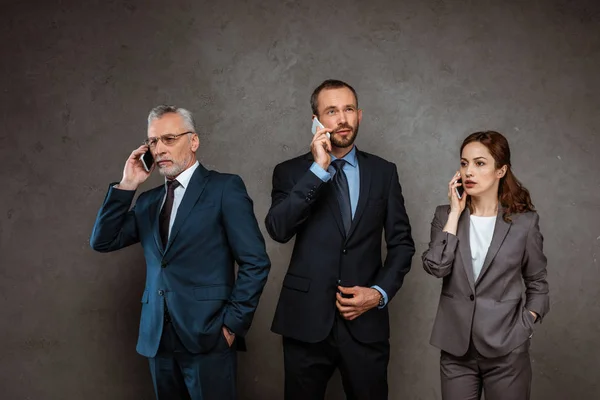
(344, 142)
(174, 169)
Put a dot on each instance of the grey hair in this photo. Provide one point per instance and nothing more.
(158, 111)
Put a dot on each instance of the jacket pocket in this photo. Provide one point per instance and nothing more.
(375, 202)
(212, 292)
(296, 283)
(202, 206)
(509, 300)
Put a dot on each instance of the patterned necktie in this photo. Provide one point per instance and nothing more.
(165, 213)
(342, 192)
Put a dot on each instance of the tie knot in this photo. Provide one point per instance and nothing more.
(338, 164)
(172, 184)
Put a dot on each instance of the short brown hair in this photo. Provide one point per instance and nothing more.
(328, 84)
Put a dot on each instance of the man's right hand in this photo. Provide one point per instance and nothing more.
(320, 148)
(134, 173)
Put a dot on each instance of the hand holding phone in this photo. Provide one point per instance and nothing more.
(460, 190)
(147, 160)
(456, 194)
(135, 174)
(316, 125)
(320, 147)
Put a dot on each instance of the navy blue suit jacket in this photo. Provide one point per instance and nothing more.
(215, 227)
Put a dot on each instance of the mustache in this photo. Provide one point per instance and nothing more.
(343, 127)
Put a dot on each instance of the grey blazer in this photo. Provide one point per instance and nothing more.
(491, 311)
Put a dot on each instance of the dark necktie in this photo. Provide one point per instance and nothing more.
(165, 213)
(342, 192)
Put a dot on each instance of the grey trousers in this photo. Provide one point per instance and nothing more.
(502, 378)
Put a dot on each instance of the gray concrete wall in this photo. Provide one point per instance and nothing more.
(78, 79)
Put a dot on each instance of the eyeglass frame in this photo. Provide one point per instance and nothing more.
(153, 141)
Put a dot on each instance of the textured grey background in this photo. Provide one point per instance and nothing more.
(78, 79)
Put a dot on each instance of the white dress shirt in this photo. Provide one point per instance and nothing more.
(184, 181)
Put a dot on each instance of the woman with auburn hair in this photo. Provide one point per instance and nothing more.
(487, 247)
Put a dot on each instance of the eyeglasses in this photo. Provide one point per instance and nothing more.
(169, 139)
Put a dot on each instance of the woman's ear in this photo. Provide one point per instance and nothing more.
(502, 171)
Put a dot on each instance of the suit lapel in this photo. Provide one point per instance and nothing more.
(335, 208)
(500, 231)
(364, 169)
(154, 213)
(464, 245)
(192, 193)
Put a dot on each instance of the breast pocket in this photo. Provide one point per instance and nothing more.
(296, 283)
(201, 219)
(204, 206)
(376, 208)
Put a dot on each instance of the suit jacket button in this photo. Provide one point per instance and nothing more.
(472, 297)
(307, 199)
(163, 264)
(444, 241)
(161, 292)
(344, 251)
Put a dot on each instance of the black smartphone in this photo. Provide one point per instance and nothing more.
(147, 160)
(460, 190)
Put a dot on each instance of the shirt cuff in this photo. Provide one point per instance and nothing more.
(320, 172)
(383, 293)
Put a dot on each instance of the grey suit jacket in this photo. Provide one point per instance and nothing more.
(491, 311)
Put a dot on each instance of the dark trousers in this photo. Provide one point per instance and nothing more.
(309, 366)
(501, 378)
(179, 374)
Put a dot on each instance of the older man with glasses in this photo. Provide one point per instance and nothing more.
(193, 229)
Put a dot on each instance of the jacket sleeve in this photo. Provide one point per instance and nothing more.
(115, 226)
(248, 248)
(290, 202)
(399, 242)
(439, 256)
(534, 271)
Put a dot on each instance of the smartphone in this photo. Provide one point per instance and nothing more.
(460, 190)
(147, 160)
(316, 124)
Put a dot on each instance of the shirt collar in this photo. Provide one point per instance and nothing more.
(184, 177)
(350, 158)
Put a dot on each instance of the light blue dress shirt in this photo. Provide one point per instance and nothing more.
(351, 169)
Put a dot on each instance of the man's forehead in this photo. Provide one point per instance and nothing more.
(167, 122)
(335, 97)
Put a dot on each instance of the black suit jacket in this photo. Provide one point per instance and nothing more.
(323, 256)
